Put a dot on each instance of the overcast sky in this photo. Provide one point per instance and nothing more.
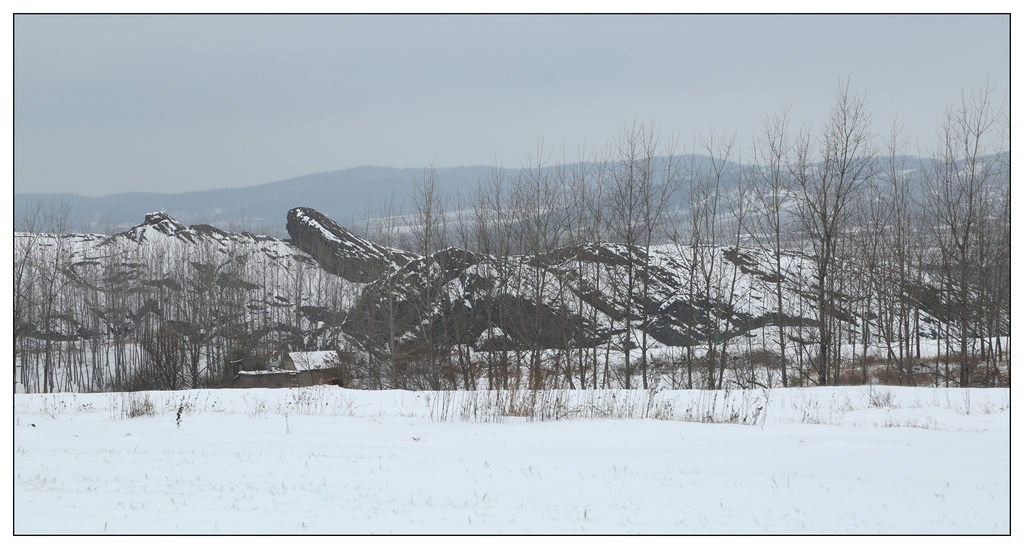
(107, 104)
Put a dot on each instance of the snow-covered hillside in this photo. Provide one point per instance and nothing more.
(90, 309)
(330, 460)
(164, 306)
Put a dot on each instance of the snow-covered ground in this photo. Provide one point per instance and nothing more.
(331, 460)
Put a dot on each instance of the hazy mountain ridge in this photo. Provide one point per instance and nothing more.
(342, 195)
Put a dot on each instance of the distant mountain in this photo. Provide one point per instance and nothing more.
(341, 195)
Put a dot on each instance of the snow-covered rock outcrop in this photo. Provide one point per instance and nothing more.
(339, 250)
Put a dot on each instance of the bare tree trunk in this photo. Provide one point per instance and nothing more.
(828, 189)
(957, 198)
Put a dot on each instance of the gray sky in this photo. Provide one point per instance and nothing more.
(107, 104)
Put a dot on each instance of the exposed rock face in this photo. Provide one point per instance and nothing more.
(159, 222)
(577, 297)
(574, 296)
(340, 251)
(459, 297)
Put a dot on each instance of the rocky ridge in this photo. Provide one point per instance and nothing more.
(327, 285)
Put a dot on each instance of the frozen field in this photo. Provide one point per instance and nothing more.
(330, 460)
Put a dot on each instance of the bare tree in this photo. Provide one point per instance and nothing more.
(874, 218)
(539, 222)
(495, 229)
(429, 235)
(828, 191)
(386, 232)
(957, 193)
(662, 173)
(465, 317)
(738, 206)
(57, 222)
(772, 189)
(898, 290)
(583, 234)
(639, 192)
(26, 253)
(595, 213)
(1001, 243)
(707, 175)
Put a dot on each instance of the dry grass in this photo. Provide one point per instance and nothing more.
(882, 371)
(740, 407)
(131, 405)
(880, 398)
(851, 374)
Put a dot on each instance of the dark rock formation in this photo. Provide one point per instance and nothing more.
(340, 251)
(157, 221)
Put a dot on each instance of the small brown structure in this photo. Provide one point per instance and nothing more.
(296, 369)
(279, 379)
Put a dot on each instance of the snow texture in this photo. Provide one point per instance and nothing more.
(330, 460)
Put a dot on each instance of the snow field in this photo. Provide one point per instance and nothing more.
(330, 460)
